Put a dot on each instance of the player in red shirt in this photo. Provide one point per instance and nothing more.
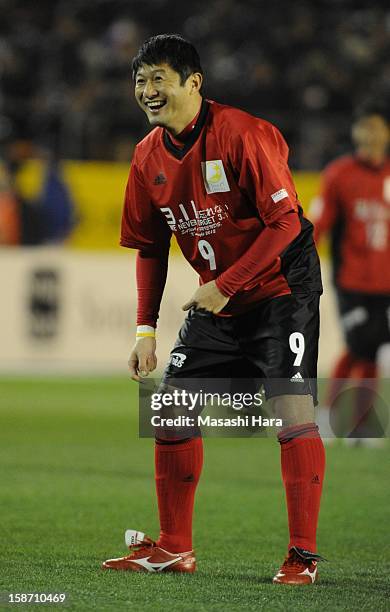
(355, 210)
(218, 179)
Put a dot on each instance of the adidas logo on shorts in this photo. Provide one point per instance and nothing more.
(297, 378)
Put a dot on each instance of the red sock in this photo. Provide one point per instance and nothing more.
(342, 370)
(178, 468)
(366, 371)
(303, 467)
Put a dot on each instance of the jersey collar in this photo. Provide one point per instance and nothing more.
(180, 152)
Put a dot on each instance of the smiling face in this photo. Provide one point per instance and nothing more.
(166, 102)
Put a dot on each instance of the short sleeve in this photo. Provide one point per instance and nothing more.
(143, 227)
(260, 157)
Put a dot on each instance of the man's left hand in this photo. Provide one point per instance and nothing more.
(208, 297)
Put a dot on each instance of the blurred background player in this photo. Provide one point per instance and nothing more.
(354, 209)
(48, 218)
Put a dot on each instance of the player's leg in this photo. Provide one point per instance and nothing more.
(285, 347)
(366, 344)
(364, 323)
(178, 466)
(366, 327)
(204, 350)
(341, 371)
(178, 462)
(366, 384)
(303, 467)
(351, 315)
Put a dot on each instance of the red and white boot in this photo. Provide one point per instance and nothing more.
(146, 556)
(299, 567)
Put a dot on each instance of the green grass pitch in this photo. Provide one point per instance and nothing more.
(74, 476)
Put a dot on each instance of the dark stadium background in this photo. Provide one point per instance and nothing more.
(303, 65)
(73, 472)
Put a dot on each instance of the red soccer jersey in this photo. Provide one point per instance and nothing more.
(355, 208)
(217, 194)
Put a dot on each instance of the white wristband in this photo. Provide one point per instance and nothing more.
(145, 331)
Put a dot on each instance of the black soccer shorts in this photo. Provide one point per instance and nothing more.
(365, 319)
(276, 341)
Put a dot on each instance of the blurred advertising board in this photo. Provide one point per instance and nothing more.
(68, 310)
(64, 310)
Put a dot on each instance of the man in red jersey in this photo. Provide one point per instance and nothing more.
(218, 179)
(355, 211)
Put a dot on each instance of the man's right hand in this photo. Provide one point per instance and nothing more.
(142, 358)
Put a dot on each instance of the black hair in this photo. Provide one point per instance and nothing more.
(171, 49)
(372, 107)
